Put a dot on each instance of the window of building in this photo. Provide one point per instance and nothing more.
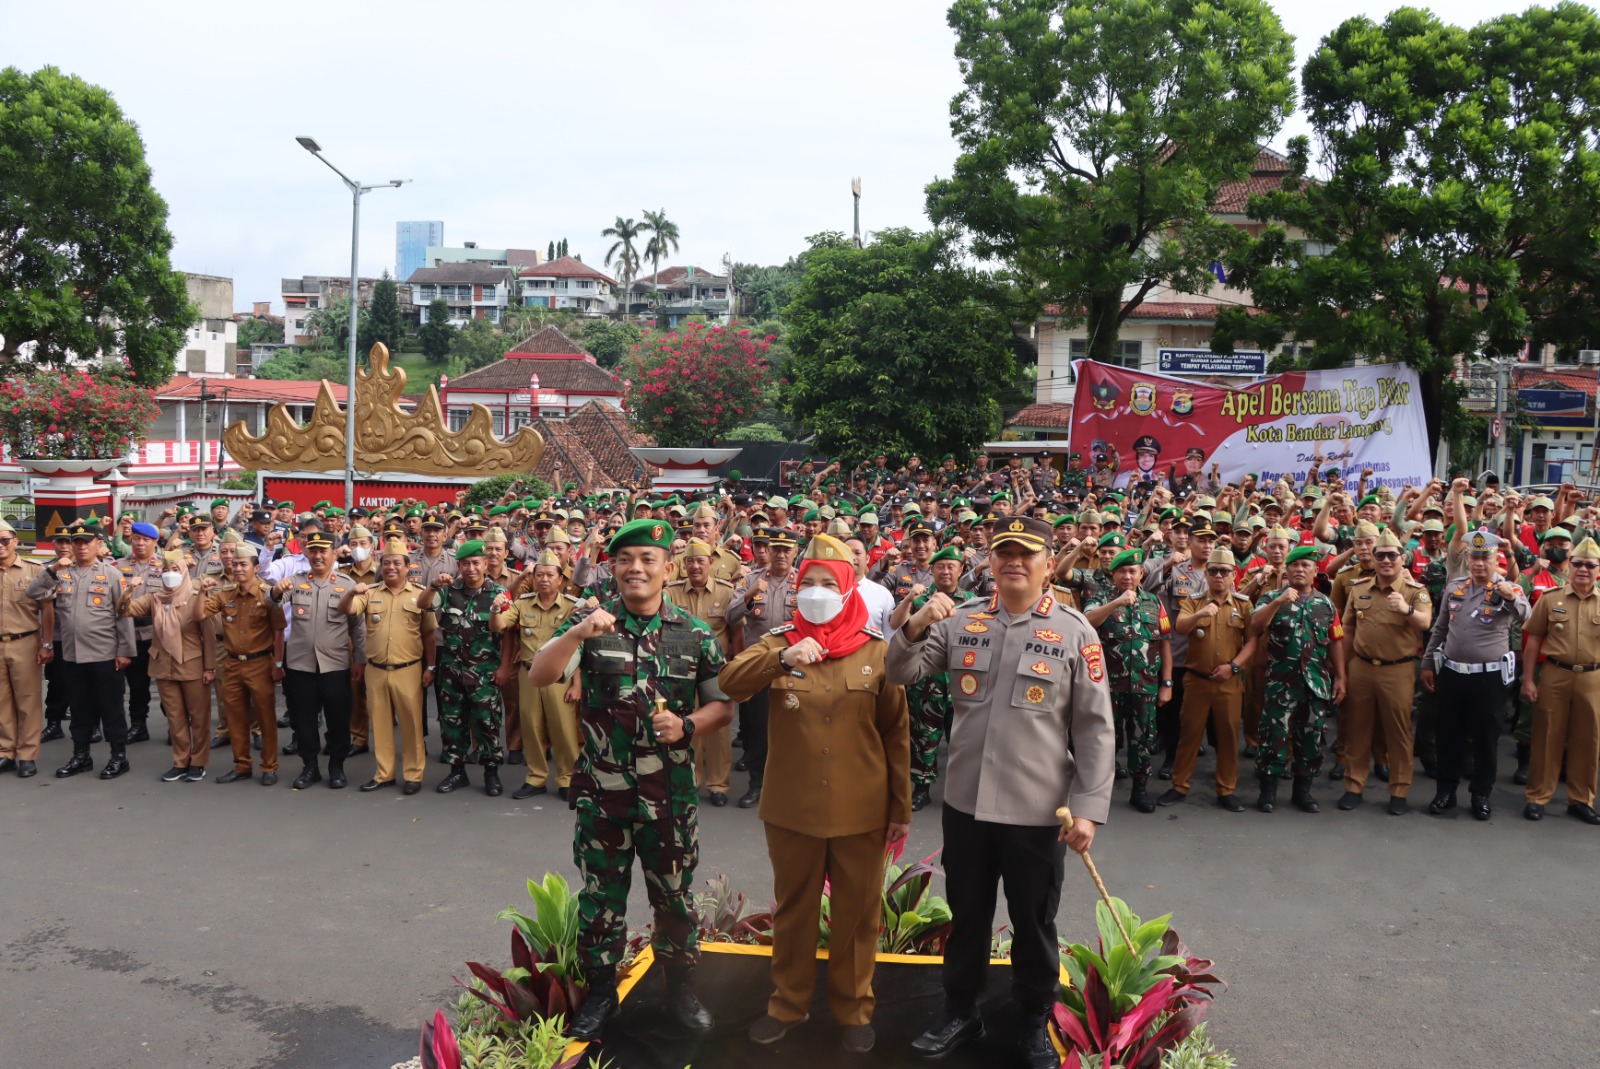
(488, 293)
(428, 293)
(493, 315)
(459, 417)
(1128, 354)
(500, 424)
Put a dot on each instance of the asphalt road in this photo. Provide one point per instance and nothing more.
(151, 924)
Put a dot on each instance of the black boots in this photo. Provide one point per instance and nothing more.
(1139, 797)
(81, 762)
(116, 766)
(139, 731)
(336, 777)
(309, 775)
(920, 797)
(1302, 795)
(1267, 801)
(589, 1020)
(52, 732)
(681, 1002)
(491, 781)
(1520, 776)
(456, 778)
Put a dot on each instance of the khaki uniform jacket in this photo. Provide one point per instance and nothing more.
(1568, 626)
(532, 624)
(1376, 632)
(762, 612)
(839, 739)
(1032, 729)
(19, 612)
(249, 619)
(725, 565)
(199, 645)
(425, 569)
(88, 628)
(709, 603)
(395, 623)
(1218, 640)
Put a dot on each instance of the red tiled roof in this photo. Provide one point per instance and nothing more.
(563, 374)
(1533, 378)
(670, 276)
(294, 391)
(1266, 175)
(593, 445)
(1050, 414)
(1197, 311)
(564, 267)
(549, 341)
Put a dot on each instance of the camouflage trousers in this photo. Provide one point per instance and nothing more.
(1135, 714)
(1522, 726)
(1293, 724)
(470, 717)
(603, 848)
(1425, 715)
(931, 707)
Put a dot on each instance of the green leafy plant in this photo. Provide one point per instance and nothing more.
(74, 414)
(552, 932)
(1196, 1051)
(726, 916)
(915, 921)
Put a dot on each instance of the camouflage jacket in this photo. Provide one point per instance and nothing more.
(1130, 635)
(1298, 638)
(465, 642)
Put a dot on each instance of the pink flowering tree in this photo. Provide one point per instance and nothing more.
(689, 387)
(73, 415)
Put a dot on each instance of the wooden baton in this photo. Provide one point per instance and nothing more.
(1064, 815)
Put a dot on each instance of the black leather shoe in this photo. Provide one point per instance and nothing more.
(115, 767)
(920, 797)
(269, 779)
(1249, 753)
(25, 769)
(589, 1021)
(1166, 771)
(950, 1031)
(1267, 800)
(527, 790)
(1381, 771)
(291, 749)
(410, 787)
(750, 798)
(682, 1004)
(174, 774)
(1398, 807)
(336, 777)
(1480, 807)
(255, 743)
(740, 766)
(1139, 796)
(375, 785)
(307, 778)
(357, 751)
(1583, 812)
(1119, 773)
(1349, 800)
(1301, 795)
(283, 721)
(719, 798)
(1036, 1049)
(221, 742)
(1230, 802)
(1172, 797)
(1520, 776)
(491, 782)
(515, 757)
(52, 731)
(1443, 802)
(139, 732)
(562, 793)
(233, 775)
(196, 774)
(456, 778)
(8, 764)
(1336, 772)
(80, 762)
(1531, 811)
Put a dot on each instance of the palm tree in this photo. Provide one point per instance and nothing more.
(663, 240)
(623, 251)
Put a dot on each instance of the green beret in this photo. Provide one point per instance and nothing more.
(1127, 556)
(947, 553)
(1302, 553)
(1110, 538)
(500, 510)
(641, 533)
(472, 548)
(320, 505)
(1370, 499)
(1064, 519)
(812, 514)
(219, 501)
(734, 475)
(570, 486)
(334, 510)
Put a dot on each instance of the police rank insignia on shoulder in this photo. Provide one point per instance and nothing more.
(869, 629)
(781, 630)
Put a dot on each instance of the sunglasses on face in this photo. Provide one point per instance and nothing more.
(4, 541)
(1386, 555)
(1585, 564)
(1219, 571)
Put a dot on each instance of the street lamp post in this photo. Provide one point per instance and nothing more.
(356, 190)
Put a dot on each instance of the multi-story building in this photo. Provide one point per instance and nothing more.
(688, 291)
(473, 291)
(567, 282)
(547, 375)
(469, 252)
(211, 343)
(411, 240)
(309, 293)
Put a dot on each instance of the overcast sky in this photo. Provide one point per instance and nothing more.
(523, 123)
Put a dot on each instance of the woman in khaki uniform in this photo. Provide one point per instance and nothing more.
(182, 662)
(837, 789)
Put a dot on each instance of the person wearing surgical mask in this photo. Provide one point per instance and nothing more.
(360, 567)
(837, 789)
(182, 662)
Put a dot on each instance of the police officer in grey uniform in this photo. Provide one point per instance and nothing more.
(1469, 663)
(325, 654)
(762, 600)
(94, 644)
(1032, 732)
(913, 570)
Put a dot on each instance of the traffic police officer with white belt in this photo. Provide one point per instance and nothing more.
(1469, 663)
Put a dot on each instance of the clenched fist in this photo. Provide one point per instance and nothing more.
(598, 622)
(1290, 595)
(1209, 611)
(1396, 601)
(441, 581)
(937, 608)
(806, 651)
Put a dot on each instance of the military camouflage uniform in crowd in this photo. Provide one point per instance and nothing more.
(931, 709)
(470, 712)
(633, 795)
(1424, 711)
(1299, 684)
(1129, 636)
(1088, 586)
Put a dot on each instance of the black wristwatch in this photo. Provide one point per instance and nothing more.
(688, 730)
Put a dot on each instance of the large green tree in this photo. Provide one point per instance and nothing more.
(1450, 208)
(85, 254)
(1094, 137)
(259, 330)
(479, 344)
(768, 289)
(608, 342)
(384, 322)
(897, 347)
(437, 333)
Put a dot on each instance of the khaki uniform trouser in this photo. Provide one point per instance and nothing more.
(713, 758)
(187, 703)
(549, 722)
(1203, 700)
(1378, 703)
(393, 696)
(249, 698)
(21, 699)
(1565, 718)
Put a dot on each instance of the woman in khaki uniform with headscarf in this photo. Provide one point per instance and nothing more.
(837, 789)
(182, 662)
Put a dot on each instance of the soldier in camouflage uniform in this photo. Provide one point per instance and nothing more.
(1305, 679)
(649, 674)
(929, 697)
(1084, 585)
(1133, 627)
(470, 712)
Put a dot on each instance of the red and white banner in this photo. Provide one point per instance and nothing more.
(1347, 418)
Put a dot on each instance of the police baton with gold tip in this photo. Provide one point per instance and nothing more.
(1064, 815)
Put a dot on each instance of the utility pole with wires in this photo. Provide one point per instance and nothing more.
(855, 193)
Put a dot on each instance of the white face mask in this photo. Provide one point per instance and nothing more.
(172, 580)
(818, 604)
(360, 553)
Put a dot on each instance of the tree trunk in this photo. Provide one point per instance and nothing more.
(1102, 325)
(1431, 383)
